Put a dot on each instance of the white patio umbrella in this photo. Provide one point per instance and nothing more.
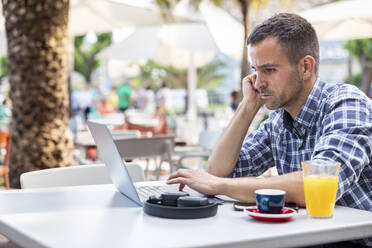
(107, 15)
(226, 31)
(344, 20)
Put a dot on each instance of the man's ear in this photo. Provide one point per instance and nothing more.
(307, 67)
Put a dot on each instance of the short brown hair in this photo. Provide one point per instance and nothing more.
(296, 36)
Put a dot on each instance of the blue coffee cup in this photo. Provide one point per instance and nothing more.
(270, 201)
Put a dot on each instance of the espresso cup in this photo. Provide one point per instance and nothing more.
(270, 201)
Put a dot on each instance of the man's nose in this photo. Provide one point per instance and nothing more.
(260, 81)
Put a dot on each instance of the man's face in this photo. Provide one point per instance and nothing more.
(278, 82)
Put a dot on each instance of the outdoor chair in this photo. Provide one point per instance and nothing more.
(85, 143)
(154, 147)
(5, 145)
(75, 175)
(206, 142)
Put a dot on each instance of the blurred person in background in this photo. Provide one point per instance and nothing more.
(124, 93)
(112, 97)
(83, 100)
(234, 100)
(103, 107)
(141, 98)
(5, 114)
(163, 98)
(150, 105)
(75, 101)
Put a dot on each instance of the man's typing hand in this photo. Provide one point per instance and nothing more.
(198, 180)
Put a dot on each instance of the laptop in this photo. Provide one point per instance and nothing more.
(118, 172)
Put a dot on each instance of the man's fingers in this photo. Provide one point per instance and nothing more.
(247, 79)
(253, 81)
(173, 175)
(250, 78)
(175, 181)
(180, 180)
(180, 173)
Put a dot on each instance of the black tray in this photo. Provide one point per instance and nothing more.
(180, 212)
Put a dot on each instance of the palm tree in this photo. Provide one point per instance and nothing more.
(85, 61)
(37, 67)
(154, 73)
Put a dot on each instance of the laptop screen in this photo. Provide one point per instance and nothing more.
(110, 155)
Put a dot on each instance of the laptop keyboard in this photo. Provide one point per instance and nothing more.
(145, 192)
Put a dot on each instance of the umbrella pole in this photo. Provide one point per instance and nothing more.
(191, 89)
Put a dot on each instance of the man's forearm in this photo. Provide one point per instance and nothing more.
(243, 188)
(226, 152)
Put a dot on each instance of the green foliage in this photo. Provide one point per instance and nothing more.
(361, 47)
(166, 7)
(362, 50)
(356, 80)
(85, 60)
(208, 76)
(3, 67)
(153, 74)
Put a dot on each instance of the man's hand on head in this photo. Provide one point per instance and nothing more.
(198, 180)
(250, 93)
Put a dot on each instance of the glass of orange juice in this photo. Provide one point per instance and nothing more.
(320, 178)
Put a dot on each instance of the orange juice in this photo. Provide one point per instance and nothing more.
(320, 194)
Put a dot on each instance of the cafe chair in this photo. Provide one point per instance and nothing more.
(153, 147)
(84, 142)
(75, 175)
(4, 169)
(206, 142)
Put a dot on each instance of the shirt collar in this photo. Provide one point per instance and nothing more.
(307, 112)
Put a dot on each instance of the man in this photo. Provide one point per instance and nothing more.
(310, 120)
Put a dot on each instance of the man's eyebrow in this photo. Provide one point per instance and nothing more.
(266, 66)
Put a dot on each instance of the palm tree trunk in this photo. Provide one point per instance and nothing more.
(245, 70)
(37, 43)
(245, 64)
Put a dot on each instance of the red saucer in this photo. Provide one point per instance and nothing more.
(285, 215)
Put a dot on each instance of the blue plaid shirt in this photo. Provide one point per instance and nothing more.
(335, 123)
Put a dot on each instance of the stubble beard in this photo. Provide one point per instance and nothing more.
(295, 90)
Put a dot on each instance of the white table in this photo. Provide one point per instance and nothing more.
(99, 216)
(112, 120)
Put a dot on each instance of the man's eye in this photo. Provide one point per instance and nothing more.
(270, 70)
(253, 70)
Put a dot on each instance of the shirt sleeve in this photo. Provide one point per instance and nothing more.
(256, 154)
(347, 138)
